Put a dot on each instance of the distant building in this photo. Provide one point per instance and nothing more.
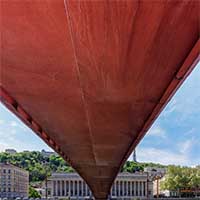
(134, 156)
(72, 185)
(48, 153)
(154, 172)
(156, 175)
(157, 191)
(14, 181)
(26, 151)
(11, 151)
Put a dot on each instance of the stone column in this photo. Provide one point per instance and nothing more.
(88, 194)
(122, 184)
(146, 188)
(65, 188)
(117, 193)
(114, 188)
(134, 184)
(124, 188)
(141, 185)
(61, 188)
(128, 188)
(78, 192)
(82, 187)
(69, 188)
(73, 187)
(65, 192)
(142, 188)
(120, 188)
(139, 188)
(56, 188)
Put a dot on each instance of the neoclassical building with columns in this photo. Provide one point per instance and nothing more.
(126, 185)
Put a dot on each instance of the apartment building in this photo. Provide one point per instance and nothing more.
(14, 181)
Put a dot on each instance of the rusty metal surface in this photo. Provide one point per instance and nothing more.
(90, 77)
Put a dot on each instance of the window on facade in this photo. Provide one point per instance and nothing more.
(58, 188)
(128, 193)
(117, 185)
(54, 188)
(84, 186)
(140, 185)
(136, 188)
(4, 171)
(63, 190)
(71, 186)
(80, 187)
(121, 188)
(149, 192)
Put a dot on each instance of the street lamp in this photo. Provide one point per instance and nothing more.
(46, 179)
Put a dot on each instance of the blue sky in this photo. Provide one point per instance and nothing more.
(173, 139)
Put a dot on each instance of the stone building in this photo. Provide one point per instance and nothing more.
(156, 175)
(126, 185)
(10, 151)
(14, 181)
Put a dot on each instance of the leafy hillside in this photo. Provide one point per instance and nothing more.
(40, 166)
(132, 167)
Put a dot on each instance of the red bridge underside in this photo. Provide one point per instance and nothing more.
(90, 77)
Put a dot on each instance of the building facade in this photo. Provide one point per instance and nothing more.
(14, 181)
(48, 153)
(156, 175)
(10, 151)
(126, 185)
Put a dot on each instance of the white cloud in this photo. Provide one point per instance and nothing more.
(15, 134)
(186, 101)
(13, 124)
(186, 146)
(157, 131)
(182, 156)
(171, 107)
(1, 122)
(19, 125)
(161, 156)
(3, 146)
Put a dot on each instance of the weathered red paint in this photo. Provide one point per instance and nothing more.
(90, 77)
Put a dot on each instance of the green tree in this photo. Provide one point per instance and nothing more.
(33, 193)
(181, 178)
(39, 166)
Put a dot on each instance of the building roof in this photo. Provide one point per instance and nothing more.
(62, 175)
(9, 165)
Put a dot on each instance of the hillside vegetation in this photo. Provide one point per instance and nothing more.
(40, 166)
